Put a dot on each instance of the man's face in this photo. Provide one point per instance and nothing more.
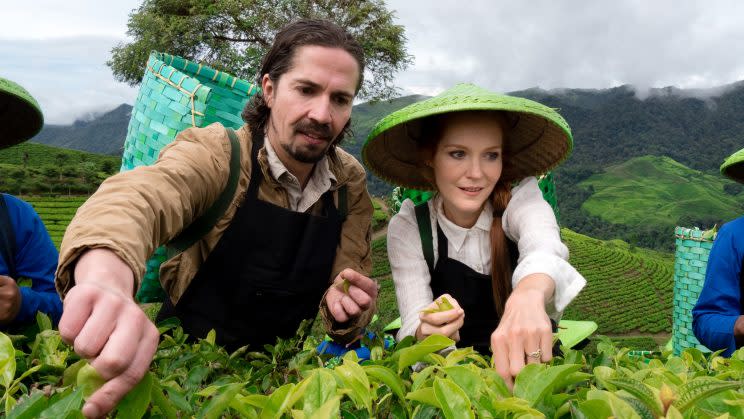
(311, 103)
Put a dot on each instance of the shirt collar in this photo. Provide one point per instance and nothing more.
(322, 174)
(456, 235)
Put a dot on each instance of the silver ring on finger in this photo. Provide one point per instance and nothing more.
(535, 354)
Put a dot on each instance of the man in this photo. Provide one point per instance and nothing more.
(299, 222)
(26, 250)
(718, 316)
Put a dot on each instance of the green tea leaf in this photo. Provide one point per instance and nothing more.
(413, 354)
(539, 385)
(277, 403)
(590, 409)
(640, 391)
(64, 406)
(89, 380)
(346, 286)
(220, 401)
(699, 389)
(329, 409)
(466, 377)
(387, 377)
(161, 402)
(424, 395)
(320, 388)
(43, 321)
(69, 376)
(135, 403)
(30, 407)
(444, 304)
(7, 360)
(355, 379)
(620, 408)
(455, 403)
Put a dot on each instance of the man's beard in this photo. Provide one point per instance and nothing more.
(310, 154)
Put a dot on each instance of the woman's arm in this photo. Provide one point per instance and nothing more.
(410, 272)
(530, 222)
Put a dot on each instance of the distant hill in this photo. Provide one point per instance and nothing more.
(658, 190)
(102, 134)
(697, 128)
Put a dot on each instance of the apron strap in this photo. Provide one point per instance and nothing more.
(424, 225)
(7, 239)
(343, 207)
(206, 222)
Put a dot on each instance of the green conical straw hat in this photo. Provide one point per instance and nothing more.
(733, 167)
(538, 137)
(20, 114)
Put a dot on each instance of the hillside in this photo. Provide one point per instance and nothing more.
(101, 134)
(658, 190)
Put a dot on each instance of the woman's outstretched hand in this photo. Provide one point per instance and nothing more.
(524, 334)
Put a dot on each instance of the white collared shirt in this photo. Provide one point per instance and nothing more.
(300, 200)
(528, 220)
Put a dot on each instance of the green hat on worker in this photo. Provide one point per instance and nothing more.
(733, 167)
(538, 137)
(20, 114)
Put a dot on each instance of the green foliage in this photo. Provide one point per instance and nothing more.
(290, 379)
(233, 35)
(657, 191)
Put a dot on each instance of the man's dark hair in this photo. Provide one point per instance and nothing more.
(278, 61)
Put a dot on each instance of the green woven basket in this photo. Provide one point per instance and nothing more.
(176, 94)
(690, 262)
(546, 184)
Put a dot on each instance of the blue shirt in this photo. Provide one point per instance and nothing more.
(35, 259)
(719, 304)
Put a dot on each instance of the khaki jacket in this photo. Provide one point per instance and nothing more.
(134, 212)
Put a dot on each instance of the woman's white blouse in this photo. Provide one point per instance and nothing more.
(528, 220)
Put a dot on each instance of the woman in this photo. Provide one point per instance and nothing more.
(471, 146)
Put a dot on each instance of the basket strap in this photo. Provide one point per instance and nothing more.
(206, 222)
(424, 225)
(7, 239)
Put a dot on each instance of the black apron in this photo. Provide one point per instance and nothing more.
(267, 273)
(472, 290)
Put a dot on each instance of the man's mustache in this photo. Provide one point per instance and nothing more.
(320, 131)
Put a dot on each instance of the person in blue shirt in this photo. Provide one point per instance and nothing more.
(718, 316)
(26, 250)
(35, 258)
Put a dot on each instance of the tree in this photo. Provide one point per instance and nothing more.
(233, 35)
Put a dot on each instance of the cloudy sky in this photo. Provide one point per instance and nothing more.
(59, 52)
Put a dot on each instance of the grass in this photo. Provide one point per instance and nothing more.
(657, 190)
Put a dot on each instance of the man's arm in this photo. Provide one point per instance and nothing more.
(104, 250)
(717, 312)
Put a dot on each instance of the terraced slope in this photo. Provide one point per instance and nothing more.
(629, 290)
(56, 213)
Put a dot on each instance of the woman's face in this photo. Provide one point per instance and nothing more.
(467, 163)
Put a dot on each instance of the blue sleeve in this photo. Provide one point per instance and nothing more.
(36, 259)
(718, 306)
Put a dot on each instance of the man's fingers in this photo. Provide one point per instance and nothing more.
(121, 347)
(367, 285)
(360, 297)
(78, 305)
(92, 337)
(108, 396)
(350, 307)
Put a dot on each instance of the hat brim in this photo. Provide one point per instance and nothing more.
(733, 166)
(20, 116)
(538, 138)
